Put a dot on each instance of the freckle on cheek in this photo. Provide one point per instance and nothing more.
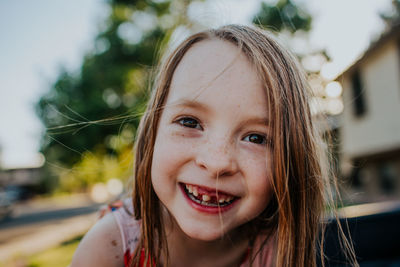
(114, 243)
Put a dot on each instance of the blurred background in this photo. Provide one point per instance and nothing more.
(74, 79)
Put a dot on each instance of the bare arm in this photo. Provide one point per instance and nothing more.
(101, 246)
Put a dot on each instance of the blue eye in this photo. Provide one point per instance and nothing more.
(256, 139)
(189, 123)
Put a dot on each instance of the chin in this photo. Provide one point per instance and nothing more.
(204, 235)
(205, 232)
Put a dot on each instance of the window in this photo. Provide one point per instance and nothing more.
(358, 95)
(387, 177)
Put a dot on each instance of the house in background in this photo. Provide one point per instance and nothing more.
(370, 123)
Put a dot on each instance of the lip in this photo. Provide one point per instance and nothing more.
(208, 209)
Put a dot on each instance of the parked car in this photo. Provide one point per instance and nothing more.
(5, 205)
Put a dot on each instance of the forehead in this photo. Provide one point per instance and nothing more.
(213, 68)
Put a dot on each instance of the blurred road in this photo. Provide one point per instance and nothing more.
(41, 224)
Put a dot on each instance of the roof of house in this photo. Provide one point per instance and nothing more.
(393, 32)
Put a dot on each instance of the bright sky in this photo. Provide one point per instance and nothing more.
(38, 37)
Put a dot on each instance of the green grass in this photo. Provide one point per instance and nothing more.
(54, 257)
(58, 256)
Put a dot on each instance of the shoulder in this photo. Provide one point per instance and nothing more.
(101, 246)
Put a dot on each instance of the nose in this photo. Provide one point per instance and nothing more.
(217, 155)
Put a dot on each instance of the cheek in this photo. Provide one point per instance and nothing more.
(167, 156)
(162, 170)
(259, 178)
(258, 166)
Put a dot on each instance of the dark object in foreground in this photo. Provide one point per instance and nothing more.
(375, 235)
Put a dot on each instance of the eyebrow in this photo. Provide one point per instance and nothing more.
(256, 120)
(188, 103)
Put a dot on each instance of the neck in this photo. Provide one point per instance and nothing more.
(186, 251)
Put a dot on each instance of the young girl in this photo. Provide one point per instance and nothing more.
(228, 170)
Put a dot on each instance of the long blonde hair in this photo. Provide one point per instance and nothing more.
(299, 180)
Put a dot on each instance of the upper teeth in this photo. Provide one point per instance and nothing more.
(204, 197)
(195, 192)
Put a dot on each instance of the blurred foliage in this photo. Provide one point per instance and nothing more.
(292, 22)
(91, 116)
(392, 17)
(96, 167)
(111, 82)
(283, 16)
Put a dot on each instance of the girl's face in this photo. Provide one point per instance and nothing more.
(212, 159)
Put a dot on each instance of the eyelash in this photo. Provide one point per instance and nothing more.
(189, 122)
(263, 140)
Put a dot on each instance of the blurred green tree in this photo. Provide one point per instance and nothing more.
(81, 110)
(284, 15)
(293, 22)
(392, 17)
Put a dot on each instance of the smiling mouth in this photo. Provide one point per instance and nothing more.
(207, 198)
